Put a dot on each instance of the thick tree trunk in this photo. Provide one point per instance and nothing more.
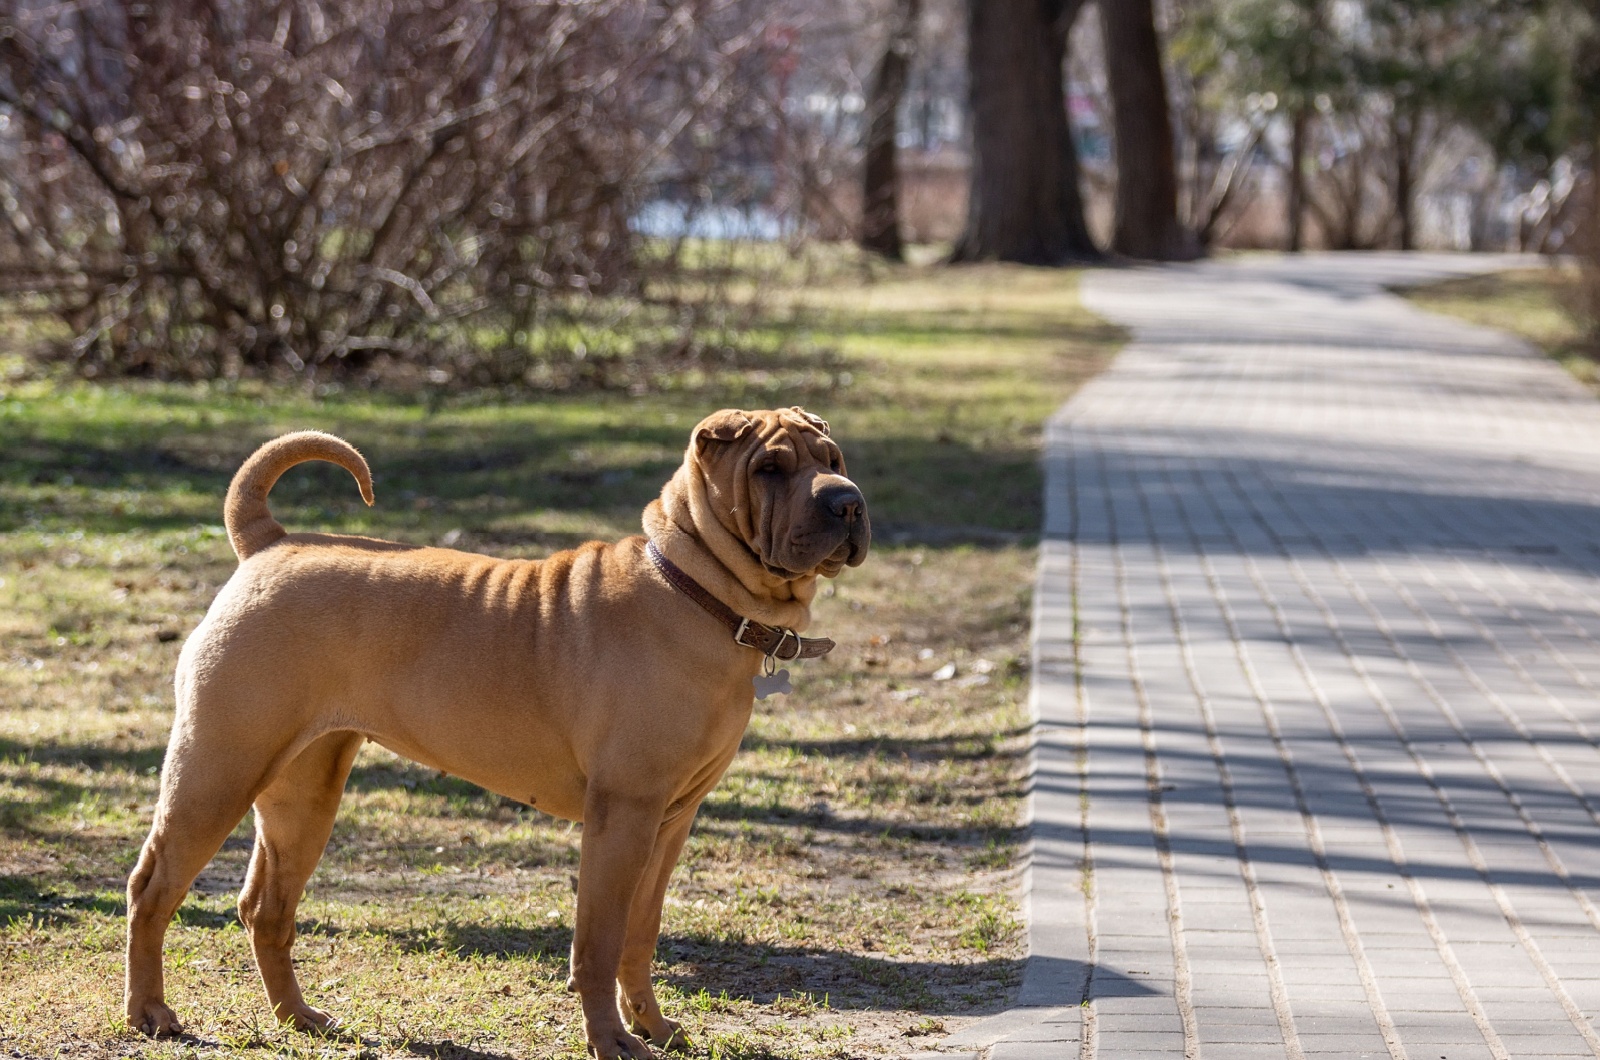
(1299, 122)
(1147, 223)
(1404, 134)
(1024, 203)
(880, 180)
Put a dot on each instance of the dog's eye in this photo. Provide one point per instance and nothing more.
(769, 467)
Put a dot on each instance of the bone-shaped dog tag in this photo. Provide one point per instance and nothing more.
(776, 684)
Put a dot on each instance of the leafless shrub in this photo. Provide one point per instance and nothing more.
(1349, 194)
(203, 189)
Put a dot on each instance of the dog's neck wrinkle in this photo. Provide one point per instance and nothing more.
(735, 514)
(703, 548)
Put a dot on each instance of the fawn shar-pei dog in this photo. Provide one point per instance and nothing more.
(604, 684)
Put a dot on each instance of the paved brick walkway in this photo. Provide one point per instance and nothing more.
(1318, 683)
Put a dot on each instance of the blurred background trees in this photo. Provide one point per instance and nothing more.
(880, 162)
(1146, 201)
(203, 189)
(531, 190)
(1024, 202)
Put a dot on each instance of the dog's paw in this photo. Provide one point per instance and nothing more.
(154, 1018)
(648, 1023)
(669, 1036)
(619, 1044)
(303, 1017)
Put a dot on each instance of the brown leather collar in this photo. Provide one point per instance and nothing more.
(773, 641)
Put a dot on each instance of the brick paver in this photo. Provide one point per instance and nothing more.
(1317, 659)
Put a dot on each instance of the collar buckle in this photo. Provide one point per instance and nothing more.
(760, 635)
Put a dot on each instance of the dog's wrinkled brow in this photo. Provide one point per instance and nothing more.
(778, 446)
(820, 446)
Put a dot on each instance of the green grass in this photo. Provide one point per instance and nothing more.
(849, 890)
(1540, 305)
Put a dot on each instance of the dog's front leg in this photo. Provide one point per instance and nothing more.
(644, 927)
(619, 833)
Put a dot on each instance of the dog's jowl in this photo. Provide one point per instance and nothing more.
(608, 684)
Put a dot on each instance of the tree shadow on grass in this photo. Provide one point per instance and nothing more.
(75, 476)
(364, 1044)
(718, 814)
(450, 1050)
(22, 898)
(111, 773)
(957, 747)
(761, 973)
(92, 756)
(941, 491)
(25, 898)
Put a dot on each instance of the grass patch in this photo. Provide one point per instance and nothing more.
(1539, 305)
(849, 888)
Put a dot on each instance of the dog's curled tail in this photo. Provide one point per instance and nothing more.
(251, 527)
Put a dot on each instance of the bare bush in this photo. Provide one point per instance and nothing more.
(201, 189)
(1350, 191)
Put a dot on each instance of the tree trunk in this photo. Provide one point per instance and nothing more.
(1594, 195)
(1593, 285)
(880, 192)
(1024, 202)
(1405, 142)
(1403, 204)
(1297, 179)
(1147, 181)
(1594, 210)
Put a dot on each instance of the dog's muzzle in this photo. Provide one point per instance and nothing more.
(847, 508)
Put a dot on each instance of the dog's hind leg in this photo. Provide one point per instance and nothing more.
(639, 1002)
(198, 807)
(294, 818)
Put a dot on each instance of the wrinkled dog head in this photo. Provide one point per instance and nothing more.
(777, 481)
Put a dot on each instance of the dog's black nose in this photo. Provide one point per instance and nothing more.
(844, 502)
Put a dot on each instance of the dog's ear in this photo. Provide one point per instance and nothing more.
(726, 425)
(816, 421)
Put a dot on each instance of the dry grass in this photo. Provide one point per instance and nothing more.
(1544, 306)
(849, 890)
